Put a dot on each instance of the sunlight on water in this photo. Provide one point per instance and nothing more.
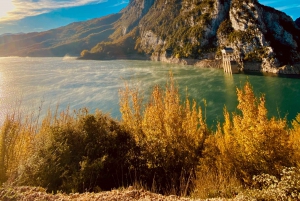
(45, 83)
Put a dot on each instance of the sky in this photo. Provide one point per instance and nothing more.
(23, 16)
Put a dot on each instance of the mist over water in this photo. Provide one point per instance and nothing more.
(29, 84)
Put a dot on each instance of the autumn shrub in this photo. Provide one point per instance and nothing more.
(261, 144)
(295, 140)
(215, 175)
(17, 134)
(170, 134)
(248, 143)
(83, 152)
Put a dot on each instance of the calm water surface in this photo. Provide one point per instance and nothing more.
(33, 83)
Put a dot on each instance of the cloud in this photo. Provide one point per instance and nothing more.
(120, 3)
(269, 2)
(38, 29)
(288, 7)
(27, 8)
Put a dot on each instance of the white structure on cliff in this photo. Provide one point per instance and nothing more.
(229, 64)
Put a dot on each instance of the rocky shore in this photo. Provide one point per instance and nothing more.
(250, 66)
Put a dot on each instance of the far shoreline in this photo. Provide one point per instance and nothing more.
(248, 66)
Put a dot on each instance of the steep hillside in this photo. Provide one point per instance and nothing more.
(298, 22)
(179, 30)
(122, 43)
(71, 39)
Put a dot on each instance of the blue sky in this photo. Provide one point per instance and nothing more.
(40, 15)
(290, 7)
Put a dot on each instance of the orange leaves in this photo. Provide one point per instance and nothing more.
(247, 102)
(295, 140)
(164, 118)
(16, 144)
(248, 143)
(169, 132)
(252, 143)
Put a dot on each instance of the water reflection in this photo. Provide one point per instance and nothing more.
(230, 94)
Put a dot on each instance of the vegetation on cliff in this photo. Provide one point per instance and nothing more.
(197, 31)
(162, 144)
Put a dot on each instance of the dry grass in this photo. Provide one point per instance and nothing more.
(129, 194)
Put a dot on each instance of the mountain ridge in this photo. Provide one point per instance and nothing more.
(199, 29)
(178, 31)
(70, 39)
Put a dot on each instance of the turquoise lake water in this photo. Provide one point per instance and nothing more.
(33, 83)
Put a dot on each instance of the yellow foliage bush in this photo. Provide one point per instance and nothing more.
(295, 140)
(261, 145)
(248, 143)
(170, 133)
(16, 144)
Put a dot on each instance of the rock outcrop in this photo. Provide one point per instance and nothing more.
(186, 31)
(262, 34)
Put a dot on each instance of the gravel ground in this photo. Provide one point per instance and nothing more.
(39, 194)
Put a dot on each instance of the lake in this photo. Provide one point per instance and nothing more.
(36, 84)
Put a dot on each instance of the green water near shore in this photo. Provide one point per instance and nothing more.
(95, 84)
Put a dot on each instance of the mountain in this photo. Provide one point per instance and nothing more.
(9, 34)
(179, 31)
(185, 31)
(298, 22)
(71, 39)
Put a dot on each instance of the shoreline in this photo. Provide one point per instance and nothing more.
(208, 62)
(248, 66)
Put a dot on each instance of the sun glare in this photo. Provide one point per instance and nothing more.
(5, 7)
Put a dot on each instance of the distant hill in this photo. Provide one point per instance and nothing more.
(9, 34)
(174, 31)
(70, 39)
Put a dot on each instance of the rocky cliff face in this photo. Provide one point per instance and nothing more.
(187, 30)
(190, 33)
(262, 34)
